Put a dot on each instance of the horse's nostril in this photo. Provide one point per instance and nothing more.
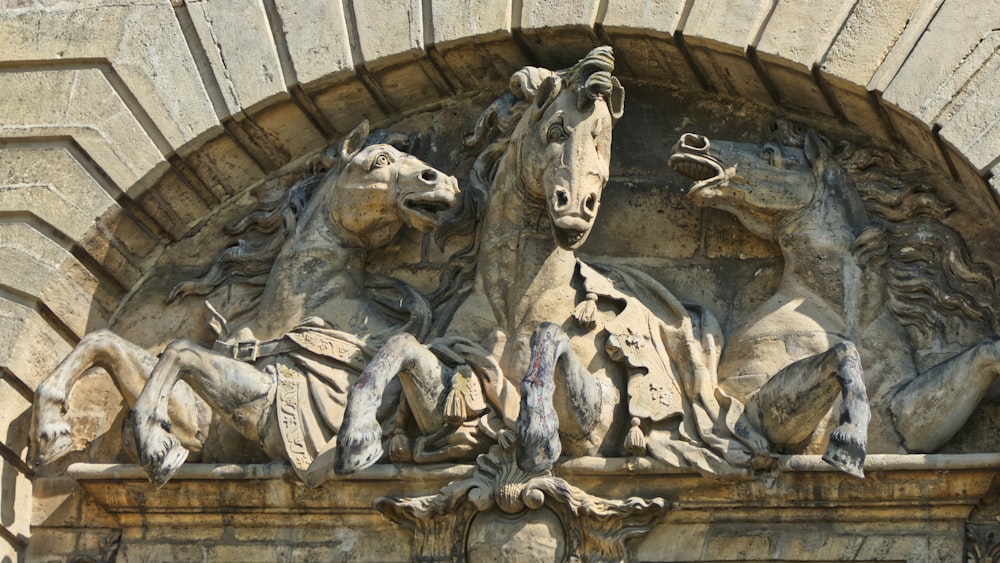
(562, 198)
(429, 175)
(591, 202)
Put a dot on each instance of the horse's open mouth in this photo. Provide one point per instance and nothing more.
(703, 169)
(428, 206)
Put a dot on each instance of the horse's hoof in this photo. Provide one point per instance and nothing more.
(166, 463)
(53, 442)
(846, 451)
(357, 450)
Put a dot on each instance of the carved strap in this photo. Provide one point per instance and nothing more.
(289, 423)
(252, 350)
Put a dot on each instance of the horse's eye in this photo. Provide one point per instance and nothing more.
(557, 133)
(767, 155)
(381, 161)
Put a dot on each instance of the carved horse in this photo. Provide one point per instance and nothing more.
(370, 192)
(544, 180)
(560, 329)
(806, 344)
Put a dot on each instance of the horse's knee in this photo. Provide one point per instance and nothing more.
(180, 349)
(401, 340)
(546, 331)
(845, 350)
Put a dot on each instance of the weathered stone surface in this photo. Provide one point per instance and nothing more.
(248, 72)
(143, 44)
(317, 38)
(970, 119)
(83, 105)
(30, 348)
(872, 519)
(954, 32)
(728, 22)
(661, 15)
(457, 20)
(35, 269)
(389, 31)
(868, 34)
(99, 96)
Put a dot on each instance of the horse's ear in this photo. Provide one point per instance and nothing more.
(547, 91)
(616, 102)
(815, 148)
(355, 141)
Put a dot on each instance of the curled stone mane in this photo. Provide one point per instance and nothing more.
(247, 261)
(926, 265)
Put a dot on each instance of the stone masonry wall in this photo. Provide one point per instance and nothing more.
(122, 124)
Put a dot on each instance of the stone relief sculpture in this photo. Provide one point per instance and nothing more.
(529, 351)
(504, 513)
(282, 380)
(870, 274)
(577, 338)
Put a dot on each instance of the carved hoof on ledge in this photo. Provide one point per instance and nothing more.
(54, 441)
(173, 459)
(846, 452)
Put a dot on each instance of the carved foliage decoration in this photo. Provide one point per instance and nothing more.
(593, 529)
(982, 543)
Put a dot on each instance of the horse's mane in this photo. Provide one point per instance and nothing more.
(589, 79)
(926, 265)
(248, 261)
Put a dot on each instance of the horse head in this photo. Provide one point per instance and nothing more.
(377, 188)
(563, 140)
(765, 184)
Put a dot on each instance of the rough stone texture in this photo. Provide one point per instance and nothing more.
(389, 30)
(248, 73)
(317, 38)
(951, 36)
(457, 20)
(98, 97)
(868, 35)
(143, 44)
(874, 519)
(662, 15)
(719, 34)
(82, 105)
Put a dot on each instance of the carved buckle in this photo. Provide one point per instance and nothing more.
(246, 351)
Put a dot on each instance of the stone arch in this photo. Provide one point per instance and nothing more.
(123, 126)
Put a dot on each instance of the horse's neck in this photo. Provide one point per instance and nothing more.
(519, 262)
(315, 274)
(820, 268)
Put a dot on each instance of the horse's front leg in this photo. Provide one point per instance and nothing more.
(577, 394)
(129, 367)
(791, 404)
(931, 407)
(359, 443)
(240, 393)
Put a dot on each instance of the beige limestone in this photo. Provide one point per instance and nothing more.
(389, 30)
(868, 35)
(82, 105)
(660, 15)
(137, 82)
(454, 20)
(729, 22)
(248, 73)
(143, 44)
(317, 38)
(958, 25)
